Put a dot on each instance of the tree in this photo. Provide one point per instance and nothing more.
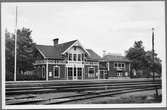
(25, 51)
(142, 61)
(136, 55)
(9, 55)
(156, 67)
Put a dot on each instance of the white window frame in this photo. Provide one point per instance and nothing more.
(118, 65)
(54, 71)
(68, 70)
(69, 57)
(75, 58)
(81, 70)
(89, 73)
(80, 57)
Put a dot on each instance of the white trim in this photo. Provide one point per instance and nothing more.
(73, 45)
(54, 71)
(94, 72)
(82, 72)
(39, 62)
(98, 71)
(129, 67)
(108, 66)
(40, 52)
(46, 70)
(121, 65)
(76, 75)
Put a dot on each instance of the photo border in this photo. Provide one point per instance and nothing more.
(2, 50)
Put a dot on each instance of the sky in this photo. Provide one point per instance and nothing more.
(109, 26)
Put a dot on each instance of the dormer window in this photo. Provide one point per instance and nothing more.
(82, 57)
(74, 57)
(79, 57)
(70, 57)
(75, 47)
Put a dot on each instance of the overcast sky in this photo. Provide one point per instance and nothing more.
(110, 26)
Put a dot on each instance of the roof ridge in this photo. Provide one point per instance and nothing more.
(67, 42)
(58, 44)
(44, 45)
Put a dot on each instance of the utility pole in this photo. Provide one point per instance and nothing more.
(156, 90)
(15, 60)
(153, 54)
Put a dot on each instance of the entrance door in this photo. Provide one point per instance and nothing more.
(79, 71)
(75, 74)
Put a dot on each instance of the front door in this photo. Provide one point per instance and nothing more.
(79, 71)
(75, 74)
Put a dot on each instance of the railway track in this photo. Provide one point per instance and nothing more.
(43, 88)
(84, 91)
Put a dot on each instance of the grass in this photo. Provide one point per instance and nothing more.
(132, 99)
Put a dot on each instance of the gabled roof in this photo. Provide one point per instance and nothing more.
(66, 45)
(93, 55)
(54, 51)
(76, 43)
(115, 58)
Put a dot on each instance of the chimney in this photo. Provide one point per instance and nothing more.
(104, 53)
(55, 41)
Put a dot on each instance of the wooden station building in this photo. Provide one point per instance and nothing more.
(71, 61)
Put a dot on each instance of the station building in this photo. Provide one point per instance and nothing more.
(115, 66)
(71, 61)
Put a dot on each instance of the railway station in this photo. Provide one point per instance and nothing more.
(71, 61)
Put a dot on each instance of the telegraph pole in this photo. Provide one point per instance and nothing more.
(156, 90)
(153, 54)
(15, 60)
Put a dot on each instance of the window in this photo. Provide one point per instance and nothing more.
(123, 65)
(91, 72)
(70, 57)
(43, 71)
(56, 71)
(79, 57)
(70, 72)
(119, 65)
(75, 48)
(79, 72)
(115, 65)
(74, 57)
(82, 57)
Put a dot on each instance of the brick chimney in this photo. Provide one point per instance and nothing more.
(55, 41)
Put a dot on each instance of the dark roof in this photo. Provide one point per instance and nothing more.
(54, 51)
(66, 45)
(115, 58)
(93, 55)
